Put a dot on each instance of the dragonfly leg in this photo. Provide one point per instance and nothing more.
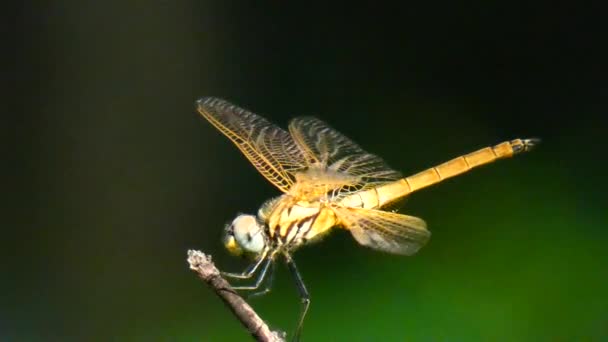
(304, 296)
(250, 270)
(269, 282)
(260, 278)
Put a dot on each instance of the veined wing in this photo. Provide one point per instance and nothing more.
(268, 147)
(385, 231)
(331, 150)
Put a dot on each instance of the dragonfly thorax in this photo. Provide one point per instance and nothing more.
(292, 223)
(245, 235)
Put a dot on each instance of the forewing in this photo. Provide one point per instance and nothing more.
(268, 147)
(385, 231)
(327, 147)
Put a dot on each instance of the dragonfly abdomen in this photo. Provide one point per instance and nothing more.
(465, 163)
(386, 193)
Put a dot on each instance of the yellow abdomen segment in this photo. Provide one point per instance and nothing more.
(380, 196)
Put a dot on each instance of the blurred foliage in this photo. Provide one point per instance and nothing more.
(115, 176)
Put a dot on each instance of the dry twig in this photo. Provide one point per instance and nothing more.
(202, 264)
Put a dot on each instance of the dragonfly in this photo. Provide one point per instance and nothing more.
(327, 181)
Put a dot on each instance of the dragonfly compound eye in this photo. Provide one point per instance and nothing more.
(248, 234)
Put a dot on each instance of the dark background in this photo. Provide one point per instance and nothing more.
(111, 176)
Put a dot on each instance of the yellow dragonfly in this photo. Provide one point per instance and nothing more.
(327, 181)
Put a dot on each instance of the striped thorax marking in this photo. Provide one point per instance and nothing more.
(296, 224)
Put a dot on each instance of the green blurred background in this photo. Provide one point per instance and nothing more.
(112, 176)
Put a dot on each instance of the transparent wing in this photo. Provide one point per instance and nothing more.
(385, 231)
(268, 147)
(324, 146)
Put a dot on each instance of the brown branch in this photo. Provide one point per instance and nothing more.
(202, 264)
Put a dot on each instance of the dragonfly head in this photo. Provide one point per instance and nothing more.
(245, 235)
